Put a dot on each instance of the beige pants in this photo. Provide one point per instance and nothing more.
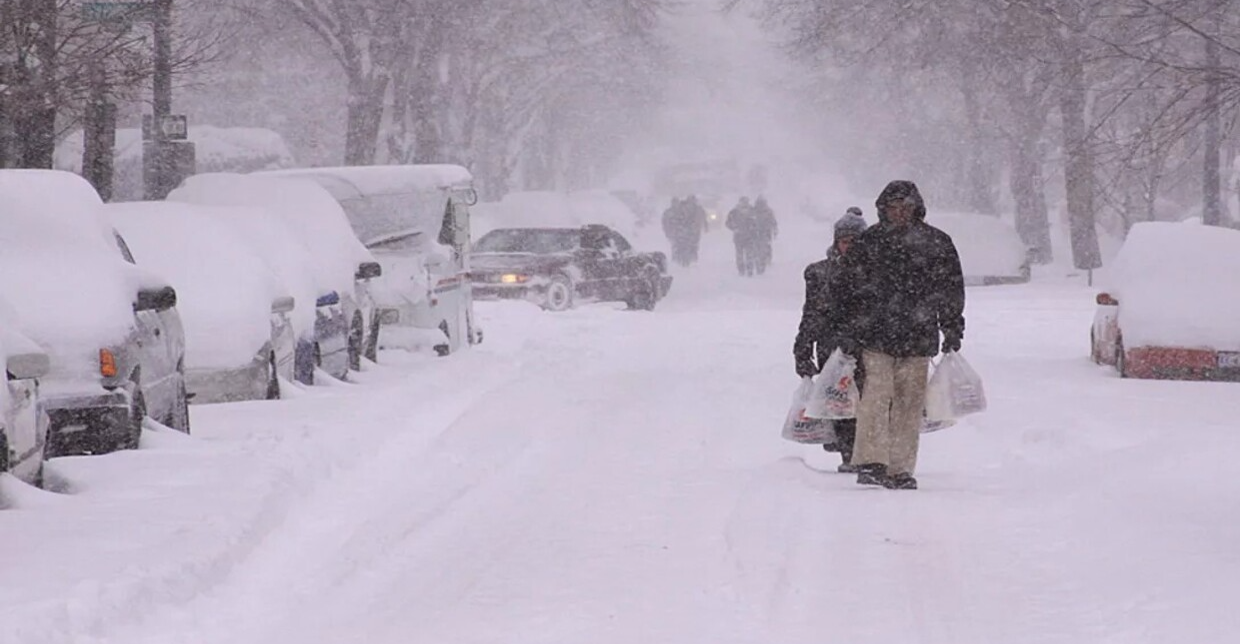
(890, 415)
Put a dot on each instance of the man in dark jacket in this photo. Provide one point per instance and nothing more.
(819, 333)
(767, 231)
(899, 287)
(743, 222)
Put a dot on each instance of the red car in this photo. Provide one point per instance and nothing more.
(1164, 317)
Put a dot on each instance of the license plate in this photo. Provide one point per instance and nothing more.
(1229, 360)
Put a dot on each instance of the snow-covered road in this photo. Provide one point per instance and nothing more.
(606, 476)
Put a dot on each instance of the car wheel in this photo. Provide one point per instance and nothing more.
(372, 339)
(180, 409)
(645, 295)
(559, 296)
(4, 453)
(357, 333)
(273, 379)
(137, 416)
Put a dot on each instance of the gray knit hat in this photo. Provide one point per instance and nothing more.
(850, 225)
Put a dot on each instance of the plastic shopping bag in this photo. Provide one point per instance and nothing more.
(800, 428)
(954, 391)
(835, 394)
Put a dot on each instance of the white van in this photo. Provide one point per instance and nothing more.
(415, 220)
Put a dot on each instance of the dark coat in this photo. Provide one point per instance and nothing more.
(819, 332)
(899, 287)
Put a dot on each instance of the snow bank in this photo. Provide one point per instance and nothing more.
(62, 268)
(1176, 286)
(385, 180)
(988, 246)
(216, 149)
(304, 207)
(225, 289)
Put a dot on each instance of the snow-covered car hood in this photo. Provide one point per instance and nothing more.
(310, 214)
(63, 272)
(222, 283)
(1161, 278)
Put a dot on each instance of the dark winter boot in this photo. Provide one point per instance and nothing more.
(847, 466)
(871, 474)
(903, 481)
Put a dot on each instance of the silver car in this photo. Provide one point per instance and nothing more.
(111, 330)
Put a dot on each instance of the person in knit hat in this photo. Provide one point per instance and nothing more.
(819, 332)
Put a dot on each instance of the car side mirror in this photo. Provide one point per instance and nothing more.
(28, 366)
(283, 304)
(1105, 299)
(156, 299)
(369, 270)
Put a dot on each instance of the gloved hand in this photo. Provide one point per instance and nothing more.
(951, 342)
(850, 347)
(806, 368)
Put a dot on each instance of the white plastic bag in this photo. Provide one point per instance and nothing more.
(954, 391)
(800, 428)
(835, 394)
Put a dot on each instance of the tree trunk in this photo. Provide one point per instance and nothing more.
(981, 197)
(1212, 210)
(99, 134)
(37, 132)
(365, 117)
(1029, 193)
(1079, 165)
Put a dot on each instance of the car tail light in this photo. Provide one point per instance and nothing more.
(107, 363)
(1105, 299)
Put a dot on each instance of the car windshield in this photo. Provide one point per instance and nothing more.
(537, 242)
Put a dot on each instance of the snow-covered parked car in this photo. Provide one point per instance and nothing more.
(341, 264)
(239, 335)
(23, 422)
(991, 251)
(1171, 309)
(111, 329)
(416, 221)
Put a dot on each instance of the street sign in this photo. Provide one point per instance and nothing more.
(175, 127)
(123, 12)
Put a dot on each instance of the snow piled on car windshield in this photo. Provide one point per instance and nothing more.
(225, 290)
(309, 212)
(1176, 286)
(62, 268)
(988, 246)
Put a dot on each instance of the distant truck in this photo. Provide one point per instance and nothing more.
(415, 219)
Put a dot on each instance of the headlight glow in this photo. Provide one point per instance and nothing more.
(514, 279)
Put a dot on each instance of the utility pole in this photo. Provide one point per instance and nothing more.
(167, 156)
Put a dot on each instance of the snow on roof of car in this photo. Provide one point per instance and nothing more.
(1175, 287)
(988, 245)
(357, 181)
(63, 270)
(222, 282)
(308, 211)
